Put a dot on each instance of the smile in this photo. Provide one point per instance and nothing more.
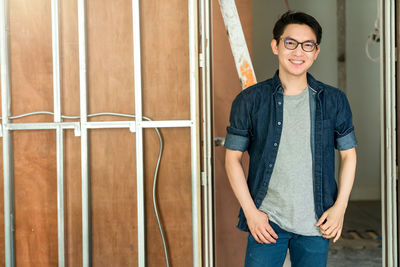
(296, 61)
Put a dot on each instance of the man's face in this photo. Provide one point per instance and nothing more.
(295, 62)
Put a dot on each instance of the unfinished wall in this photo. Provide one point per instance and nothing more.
(112, 152)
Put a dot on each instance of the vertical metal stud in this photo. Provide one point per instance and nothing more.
(86, 222)
(139, 134)
(194, 131)
(209, 134)
(389, 167)
(207, 172)
(393, 163)
(60, 197)
(204, 172)
(59, 131)
(56, 60)
(7, 138)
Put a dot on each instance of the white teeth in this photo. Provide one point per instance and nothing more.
(297, 61)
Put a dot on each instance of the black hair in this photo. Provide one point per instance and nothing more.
(291, 17)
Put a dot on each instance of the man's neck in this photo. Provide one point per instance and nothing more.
(293, 85)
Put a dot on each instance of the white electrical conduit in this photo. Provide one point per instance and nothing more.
(155, 172)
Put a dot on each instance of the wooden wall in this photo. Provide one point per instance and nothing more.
(165, 57)
(230, 242)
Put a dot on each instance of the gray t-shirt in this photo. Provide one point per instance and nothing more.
(289, 201)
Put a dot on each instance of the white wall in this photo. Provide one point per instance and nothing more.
(363, 83)
(362, 74)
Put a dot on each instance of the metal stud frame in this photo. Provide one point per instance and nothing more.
(81, 129)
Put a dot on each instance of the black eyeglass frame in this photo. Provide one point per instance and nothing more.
(297, 44)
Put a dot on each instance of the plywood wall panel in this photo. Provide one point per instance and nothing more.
(230, 242)
(31, 63)
(110, 56)
(173, 196)
(113, 196)
(35, 198)
(69, 57)
(165, 54)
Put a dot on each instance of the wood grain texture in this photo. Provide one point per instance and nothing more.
(35, 198)
(31, 58)
(113, 197)
(110, 57)
(230, 243)
(173, 197)
(69, 58)
(165, 59)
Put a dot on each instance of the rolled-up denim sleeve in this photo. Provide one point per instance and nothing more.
(238, 132)
(345, 137)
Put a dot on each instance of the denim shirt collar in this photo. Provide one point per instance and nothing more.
(310, 80)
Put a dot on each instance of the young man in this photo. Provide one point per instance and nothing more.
(290, 126)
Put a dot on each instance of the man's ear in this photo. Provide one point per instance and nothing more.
(317, 52)
(274, 46)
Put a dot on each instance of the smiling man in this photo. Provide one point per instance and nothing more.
(290, 125)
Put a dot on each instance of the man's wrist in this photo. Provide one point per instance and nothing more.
(341, 203)
(249, 210)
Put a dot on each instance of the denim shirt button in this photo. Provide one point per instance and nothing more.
(275, 144)
(270, 165)
(279, 103)
(265, 183)
(279, 123)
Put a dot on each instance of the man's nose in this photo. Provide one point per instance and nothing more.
(299, 50)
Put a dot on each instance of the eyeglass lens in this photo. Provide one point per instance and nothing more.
(291, 44)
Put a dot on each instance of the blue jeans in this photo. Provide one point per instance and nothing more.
(305, 251)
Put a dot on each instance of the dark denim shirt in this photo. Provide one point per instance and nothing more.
(256, 121)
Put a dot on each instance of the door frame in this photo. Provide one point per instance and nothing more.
(389, 175)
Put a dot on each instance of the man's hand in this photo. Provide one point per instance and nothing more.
(333, 219)
(260, 228)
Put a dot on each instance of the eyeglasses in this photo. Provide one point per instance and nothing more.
(291, 44)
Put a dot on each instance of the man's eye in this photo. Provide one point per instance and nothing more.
(309, 44)
(290, 42)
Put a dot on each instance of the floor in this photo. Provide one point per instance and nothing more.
(360, 244)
